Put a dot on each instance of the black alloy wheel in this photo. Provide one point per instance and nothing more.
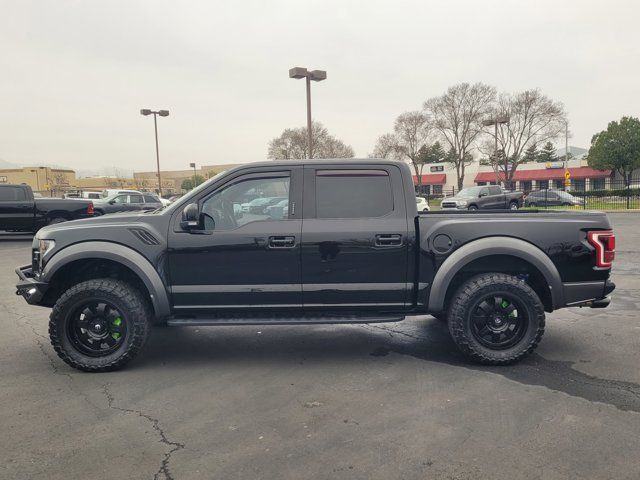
(499, 321)
(97, 328)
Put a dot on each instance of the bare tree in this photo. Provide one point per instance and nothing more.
(411, 131)
(457, 117)
(533, 119)
(292, 144)
(386, 147)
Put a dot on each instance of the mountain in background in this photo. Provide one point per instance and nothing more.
(5, 164)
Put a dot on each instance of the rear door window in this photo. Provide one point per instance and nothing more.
(12, 194)
(353, 193)
(494, 190)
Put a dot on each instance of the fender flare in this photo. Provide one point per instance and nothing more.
(120, 254)
(494, 246)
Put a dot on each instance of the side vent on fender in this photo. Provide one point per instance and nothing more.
(144, 236)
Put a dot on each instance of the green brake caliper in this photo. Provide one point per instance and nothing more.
(116, 323)
(505, 304)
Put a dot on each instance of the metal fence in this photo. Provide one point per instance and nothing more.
(612, 194)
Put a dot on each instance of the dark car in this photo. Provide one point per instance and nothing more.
(22, 210)
(551, 198)
(127, 202)
(351, 248)
(483, 197)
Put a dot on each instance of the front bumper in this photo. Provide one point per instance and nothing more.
(29, 287)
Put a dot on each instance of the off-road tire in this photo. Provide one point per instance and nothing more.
(459, 318)
(126, 297)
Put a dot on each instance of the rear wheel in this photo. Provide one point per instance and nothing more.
(99, 325)
(496, 319)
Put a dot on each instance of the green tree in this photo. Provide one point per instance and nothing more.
(548, 153)
(531, 154)
(617, 148)
(187, 183)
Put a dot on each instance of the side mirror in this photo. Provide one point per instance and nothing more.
(112, 202)
(190, 217)
(484, 194)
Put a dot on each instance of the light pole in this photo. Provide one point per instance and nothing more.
(193, 165)
(495, 121)
(162, 113)
(316, 76)
(566, 144)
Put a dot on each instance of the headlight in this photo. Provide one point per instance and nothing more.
(44, 246)
(462, 203)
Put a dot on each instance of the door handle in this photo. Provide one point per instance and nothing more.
(388, 240)
(282, 242)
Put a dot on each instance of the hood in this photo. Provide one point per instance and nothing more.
(110, 220)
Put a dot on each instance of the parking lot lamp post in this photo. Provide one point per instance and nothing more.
(193, 165)
(316, 76)
(162, 113)
(495, 122)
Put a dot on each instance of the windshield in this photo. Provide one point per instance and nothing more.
(469, 192)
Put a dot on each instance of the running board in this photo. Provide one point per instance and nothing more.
(302, 320)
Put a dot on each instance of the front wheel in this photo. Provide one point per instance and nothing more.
(472, 207)
(496, 319)
(99, 325)
(513, 206)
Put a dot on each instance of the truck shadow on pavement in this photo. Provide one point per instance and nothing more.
(424, 338)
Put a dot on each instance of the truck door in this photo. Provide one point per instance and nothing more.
(16, 210)
(354, 238)
(237, 260)
(495, 199)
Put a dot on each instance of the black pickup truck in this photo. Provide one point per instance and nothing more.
(350, 247)
(21, 212)
(488, 197)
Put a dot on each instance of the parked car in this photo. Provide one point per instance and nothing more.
(550, 198)
(422, 204)
(356, 251)
(483, 197)
(125, 202)
(92, 195)
(112, 191)
(278, 210)
(21, 210)
(256, 202)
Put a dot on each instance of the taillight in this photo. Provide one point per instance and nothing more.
(604, 241)
(90, 210)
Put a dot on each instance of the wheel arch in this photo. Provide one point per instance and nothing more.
(80, 253)
(523, 252)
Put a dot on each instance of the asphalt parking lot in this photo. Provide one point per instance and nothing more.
(383, 401)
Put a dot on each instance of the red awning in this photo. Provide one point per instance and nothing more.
(431, 179)
(546, 174)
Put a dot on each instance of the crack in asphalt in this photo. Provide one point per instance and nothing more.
(556, 375)
(155, 423)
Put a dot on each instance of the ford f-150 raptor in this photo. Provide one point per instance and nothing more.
(349, 247)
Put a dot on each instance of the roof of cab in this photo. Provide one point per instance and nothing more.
(321, 161)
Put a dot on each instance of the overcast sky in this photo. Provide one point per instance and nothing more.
(75, 73)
